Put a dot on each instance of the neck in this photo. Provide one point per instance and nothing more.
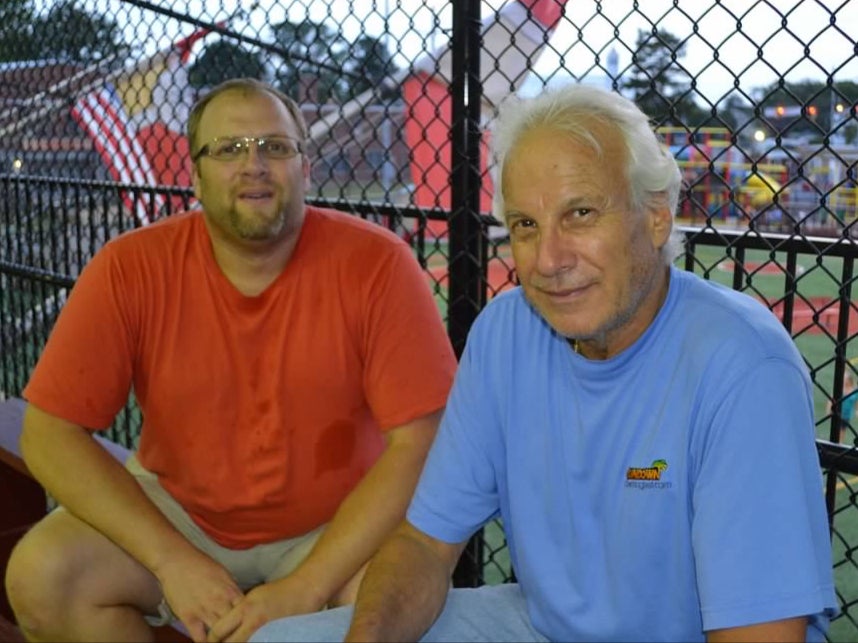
(614, 340)
(252, 266)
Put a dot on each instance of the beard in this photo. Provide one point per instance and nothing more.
(253, 227)
(245, 219)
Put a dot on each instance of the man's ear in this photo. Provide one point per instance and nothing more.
(305, 166)
(195, 180)
(660, 219)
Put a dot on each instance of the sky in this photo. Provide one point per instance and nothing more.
(770, 43)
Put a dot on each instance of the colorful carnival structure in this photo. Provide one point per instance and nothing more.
(790, 185)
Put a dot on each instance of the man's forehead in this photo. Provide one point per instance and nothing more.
(589, 132)
(241, 109)
(583, 173)
(586, 151)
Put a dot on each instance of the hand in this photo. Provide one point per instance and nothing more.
(199, 591)
(284, 597)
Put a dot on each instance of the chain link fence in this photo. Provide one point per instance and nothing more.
(755, 99)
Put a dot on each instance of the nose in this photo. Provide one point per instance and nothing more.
(554, 252)
(253, 160)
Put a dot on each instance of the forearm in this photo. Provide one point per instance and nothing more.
(784, 631)
(367, 516)
(89, 482)
(404, 589)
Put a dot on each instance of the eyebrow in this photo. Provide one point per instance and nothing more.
(578, 202)
(574, 203)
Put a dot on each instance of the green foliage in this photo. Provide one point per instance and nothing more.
(850, 134)
(370, 62)
(222, 61)
(659, 84)
(735, 113)
(16, 41)
(322, 59)
(304, 45)
(813, 95)
(66, 32)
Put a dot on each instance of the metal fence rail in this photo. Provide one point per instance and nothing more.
(757, 101)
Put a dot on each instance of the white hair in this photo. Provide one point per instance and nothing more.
(651, 171)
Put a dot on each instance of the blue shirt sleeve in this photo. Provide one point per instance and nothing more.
(759, 528)
(458, 491)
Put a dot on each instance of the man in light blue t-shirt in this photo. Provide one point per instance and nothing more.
(646, 436)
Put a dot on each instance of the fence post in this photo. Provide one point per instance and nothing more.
(467, 262)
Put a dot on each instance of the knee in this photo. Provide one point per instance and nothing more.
(36, 581)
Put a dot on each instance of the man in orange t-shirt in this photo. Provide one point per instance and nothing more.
(291, 367)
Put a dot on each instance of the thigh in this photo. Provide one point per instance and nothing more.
(488, 613)
(63, 561)
(496, 613)
(240, 563)
(324, 627)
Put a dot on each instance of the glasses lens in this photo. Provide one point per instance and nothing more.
(233, 148)
(227, 148)
(277, 147)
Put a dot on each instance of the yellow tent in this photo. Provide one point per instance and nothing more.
(759, 188)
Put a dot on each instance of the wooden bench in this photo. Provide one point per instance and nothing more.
(24, 502)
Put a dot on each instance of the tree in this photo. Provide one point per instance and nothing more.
(371, 62)
(66, 33)
(734, 112)
(658, 82)
(338, 69)
(223, 60)
(304, 46)
(819, 102)
(16, 41)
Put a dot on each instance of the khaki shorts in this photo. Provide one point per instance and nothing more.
(248, 567)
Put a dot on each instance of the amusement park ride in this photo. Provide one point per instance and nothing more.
(718, 176)
(802, 185)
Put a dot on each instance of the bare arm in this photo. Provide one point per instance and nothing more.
(364, 519)
(405, 587)
(785, 631)
(92, 485)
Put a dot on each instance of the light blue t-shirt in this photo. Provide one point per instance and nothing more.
(672, 489)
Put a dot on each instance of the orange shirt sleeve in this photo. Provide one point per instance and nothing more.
(84, 372)
(410, 362)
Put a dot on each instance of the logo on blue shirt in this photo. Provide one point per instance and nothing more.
(648, 477)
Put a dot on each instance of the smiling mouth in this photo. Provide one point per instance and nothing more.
(564, 292)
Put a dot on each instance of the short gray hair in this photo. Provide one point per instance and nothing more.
(651, 170)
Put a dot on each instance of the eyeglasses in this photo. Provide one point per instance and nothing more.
(232, 148)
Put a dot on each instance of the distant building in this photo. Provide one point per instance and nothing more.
(37, 133)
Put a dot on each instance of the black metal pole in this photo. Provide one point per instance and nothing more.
(466, 288)
(467, 255)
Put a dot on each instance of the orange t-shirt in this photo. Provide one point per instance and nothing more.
(260, 414)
